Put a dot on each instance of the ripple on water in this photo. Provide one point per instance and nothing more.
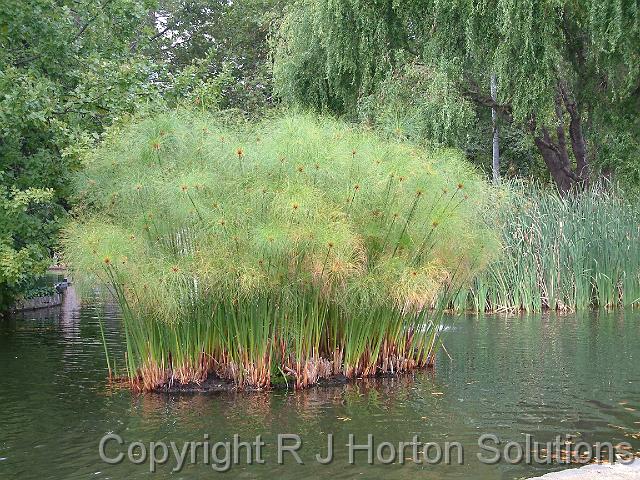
(545, 375)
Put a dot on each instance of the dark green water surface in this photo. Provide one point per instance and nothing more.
(508, 376)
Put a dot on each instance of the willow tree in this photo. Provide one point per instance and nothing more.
(568, 71)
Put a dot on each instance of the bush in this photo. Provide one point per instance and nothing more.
(301, 246)
(28, 220)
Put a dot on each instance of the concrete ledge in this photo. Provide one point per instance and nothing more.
(617, 471)
(39, 302)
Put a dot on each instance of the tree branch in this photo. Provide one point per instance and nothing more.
(90, 21)
(474, 93)
(560, 133)
(77, 36)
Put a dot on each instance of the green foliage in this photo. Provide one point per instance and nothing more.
(227, 39)
(299, 245)
(423, 106)
(561, 253)
(69, 69)
(419, 104)
(66, 71)
(194, 87)
(336, 54)
(618, 149)
(329, 54)
(40, 291)
(27, 225)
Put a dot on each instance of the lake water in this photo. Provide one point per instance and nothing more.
(509, 376)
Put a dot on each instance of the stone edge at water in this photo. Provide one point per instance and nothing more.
(616, 471)
(37, 303)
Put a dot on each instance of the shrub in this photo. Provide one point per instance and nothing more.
(28, 220)
(300, 247)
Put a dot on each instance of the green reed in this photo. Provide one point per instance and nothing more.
(561, 253)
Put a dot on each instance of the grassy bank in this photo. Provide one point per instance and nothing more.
(293, 250)
(561, 253)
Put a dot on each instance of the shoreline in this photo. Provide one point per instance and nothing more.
(616, 471)
(215, 384)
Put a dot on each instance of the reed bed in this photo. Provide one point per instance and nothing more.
(290, 251)
(565, 253)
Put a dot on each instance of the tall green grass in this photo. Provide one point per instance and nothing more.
(561, 253)
(294, 250)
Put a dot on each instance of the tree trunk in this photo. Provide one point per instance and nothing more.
(495, 164)
(555, 160)
(554, 151)
(578, 143)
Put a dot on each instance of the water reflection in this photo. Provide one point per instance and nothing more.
(543, 375)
